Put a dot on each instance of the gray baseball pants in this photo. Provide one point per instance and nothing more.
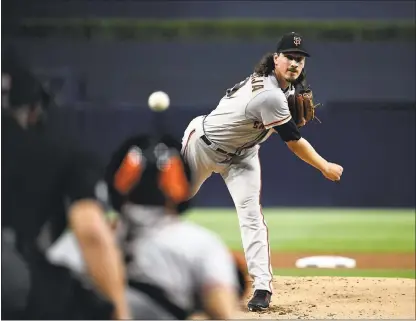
(242, 175)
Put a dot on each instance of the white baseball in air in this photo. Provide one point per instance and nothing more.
(158, 101)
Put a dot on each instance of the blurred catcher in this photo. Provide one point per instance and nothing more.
(175, 268)
(48, 185)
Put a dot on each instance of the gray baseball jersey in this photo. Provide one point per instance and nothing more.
(246, 114)
(178, 256)
(243, 119)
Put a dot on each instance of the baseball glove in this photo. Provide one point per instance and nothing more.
(301, 104)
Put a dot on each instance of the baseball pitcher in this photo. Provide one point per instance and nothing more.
(274, 99)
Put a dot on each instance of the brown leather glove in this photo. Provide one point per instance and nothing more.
(301, 104)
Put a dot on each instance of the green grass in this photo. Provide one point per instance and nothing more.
(321, 230)
(346, 272)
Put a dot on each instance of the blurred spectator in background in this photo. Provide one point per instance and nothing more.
(46, 182)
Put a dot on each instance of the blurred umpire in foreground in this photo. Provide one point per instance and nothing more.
(55, 183)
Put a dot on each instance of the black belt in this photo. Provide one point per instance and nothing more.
(208, 142)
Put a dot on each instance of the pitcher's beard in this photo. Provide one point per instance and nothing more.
(291, 79)
(291, 76)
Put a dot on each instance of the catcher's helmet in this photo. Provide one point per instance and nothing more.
(149, 170)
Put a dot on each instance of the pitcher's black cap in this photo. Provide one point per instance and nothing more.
(292, 42)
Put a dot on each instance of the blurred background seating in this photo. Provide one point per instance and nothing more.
(102, 59)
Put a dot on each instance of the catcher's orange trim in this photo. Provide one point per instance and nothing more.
(173, 180)
(129, 172)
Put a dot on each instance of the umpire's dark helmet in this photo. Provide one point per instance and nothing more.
(20, 87)
(148, 170)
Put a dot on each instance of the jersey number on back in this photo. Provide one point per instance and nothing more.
(233, 90)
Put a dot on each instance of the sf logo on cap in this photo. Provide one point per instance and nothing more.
(296, 41)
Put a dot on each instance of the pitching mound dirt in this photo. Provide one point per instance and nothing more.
(338, 298)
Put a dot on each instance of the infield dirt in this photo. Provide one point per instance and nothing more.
(336, 298)
(339, 297)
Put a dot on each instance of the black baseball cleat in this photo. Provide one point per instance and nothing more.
(260, 301)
